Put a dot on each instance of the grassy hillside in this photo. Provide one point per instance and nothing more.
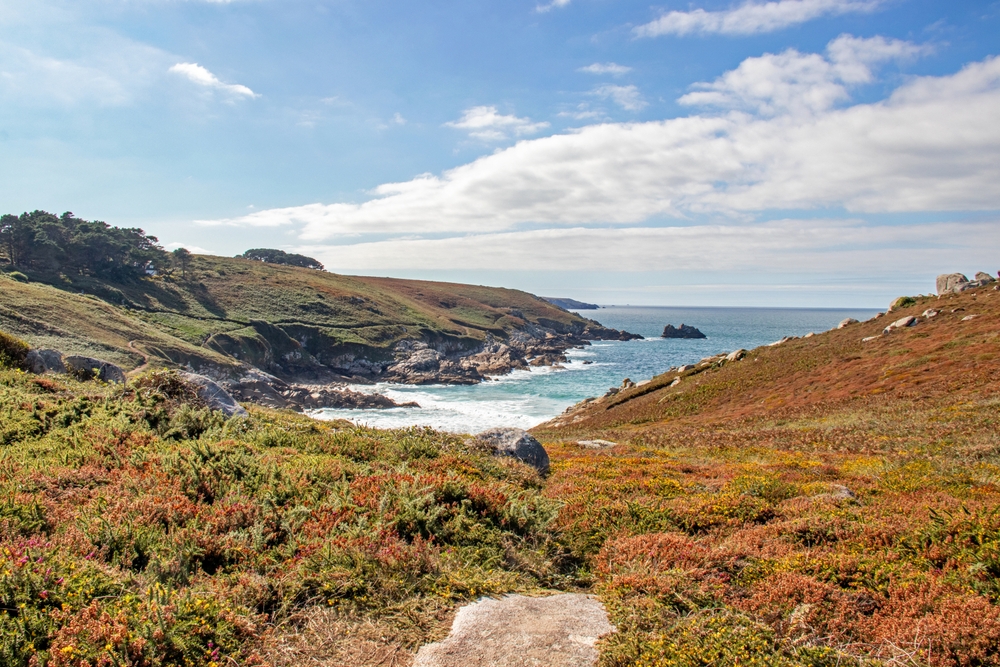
(824, 501)
(231, 310)
(75, 323)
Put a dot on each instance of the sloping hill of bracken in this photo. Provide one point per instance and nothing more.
(827, 500)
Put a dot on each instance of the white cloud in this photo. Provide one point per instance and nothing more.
(627, 97)
(614, 69)
(933, 145)
(47, 79)
(106, 71)
(397, 119)
(202, 77)
(751, 17)
(800, 83)
(834, 246)
(487, 124)
(552, 5)
(583, 112)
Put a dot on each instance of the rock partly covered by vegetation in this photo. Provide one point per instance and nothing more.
(213, 395)
(683, 331)
(269, 391)
(88, 368)
(517, 444)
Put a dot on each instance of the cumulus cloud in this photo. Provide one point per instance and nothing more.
(795, 82)
(197, 74)
(627, 97)
(932, 145)
(751, 17)
(794, 245)
(487, 124)
(614, 69)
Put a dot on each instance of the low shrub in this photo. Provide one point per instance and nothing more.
(13, 351)
(137, 527)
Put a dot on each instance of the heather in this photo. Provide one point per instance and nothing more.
(139, 528)
(821, 502)
(825, 501)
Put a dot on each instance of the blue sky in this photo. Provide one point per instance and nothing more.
(797, 152)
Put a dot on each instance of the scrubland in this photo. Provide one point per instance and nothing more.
(137, 528)
(821, 502)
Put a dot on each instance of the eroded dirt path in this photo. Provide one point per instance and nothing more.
(519, 631)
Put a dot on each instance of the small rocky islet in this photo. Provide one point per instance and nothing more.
(683, 331)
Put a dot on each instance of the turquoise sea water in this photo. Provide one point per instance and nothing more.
(527, 398)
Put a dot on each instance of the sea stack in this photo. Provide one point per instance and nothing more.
(683, 331)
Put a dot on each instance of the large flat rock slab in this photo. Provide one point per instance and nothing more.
(519, 631)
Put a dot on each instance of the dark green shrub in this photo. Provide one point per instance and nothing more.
(13, 351)
(18, 276)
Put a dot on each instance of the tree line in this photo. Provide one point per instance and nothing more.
(42, 241)
(272, 256)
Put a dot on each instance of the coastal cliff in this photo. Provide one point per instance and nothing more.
(264, 329)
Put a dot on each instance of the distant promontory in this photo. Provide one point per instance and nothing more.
(570, 304)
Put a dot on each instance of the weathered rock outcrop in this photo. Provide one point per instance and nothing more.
(516, 443)
(983, 278)
(418, 362)
(901, 323)
(683, 331)
(518, 631)
(45, 361)
(213, 395)
(948, 283)
(88, 368)
(954, 283)
(270, 391)
(846, 322)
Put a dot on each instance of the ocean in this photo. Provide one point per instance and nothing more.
(528, 398)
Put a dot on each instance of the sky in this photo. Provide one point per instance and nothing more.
(809, 153)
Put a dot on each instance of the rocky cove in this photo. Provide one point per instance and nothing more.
(277, 371)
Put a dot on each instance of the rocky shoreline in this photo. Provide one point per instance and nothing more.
(418, 362)
(305, 384)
